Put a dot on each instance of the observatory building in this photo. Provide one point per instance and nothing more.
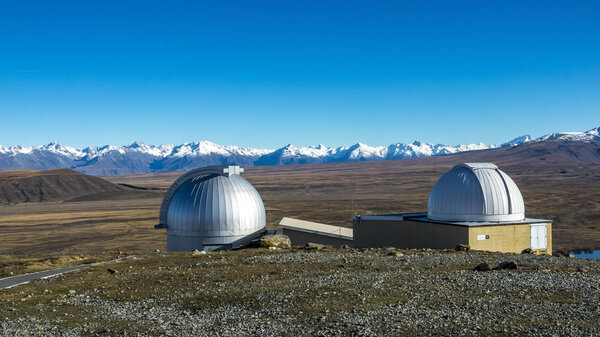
(474, 204)
(211, 208)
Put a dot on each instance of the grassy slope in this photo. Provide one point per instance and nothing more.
(554, 186)
(317, 290)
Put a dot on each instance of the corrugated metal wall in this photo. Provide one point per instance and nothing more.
(475, 192)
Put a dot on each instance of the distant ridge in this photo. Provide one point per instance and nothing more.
(63, 185)
(141, 158)
(52, 185)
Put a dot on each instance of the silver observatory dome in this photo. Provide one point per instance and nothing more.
(211, 208)
(477, 192)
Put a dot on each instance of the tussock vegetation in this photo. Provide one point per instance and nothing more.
(13, 265)
(73, 228)
(555, 184)
(318, 292)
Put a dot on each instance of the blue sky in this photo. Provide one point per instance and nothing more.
(268, 73)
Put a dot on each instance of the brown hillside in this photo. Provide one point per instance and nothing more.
(559, 181)
(52, 185)
(530, 154)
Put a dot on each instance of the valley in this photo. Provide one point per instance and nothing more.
(559, 181)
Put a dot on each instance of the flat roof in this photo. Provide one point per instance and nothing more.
(316, 228)
(422, 217)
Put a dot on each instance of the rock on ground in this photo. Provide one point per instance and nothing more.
(278, 241)
(328, 292)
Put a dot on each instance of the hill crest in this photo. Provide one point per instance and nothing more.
(141, 158)
(51, 185)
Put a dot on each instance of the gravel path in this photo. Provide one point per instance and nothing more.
(13, 281)
(316, 293)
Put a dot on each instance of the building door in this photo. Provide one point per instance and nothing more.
(538, 236)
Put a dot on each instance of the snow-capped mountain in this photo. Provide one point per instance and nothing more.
(141, 158)
(593, 134)
(518, 140)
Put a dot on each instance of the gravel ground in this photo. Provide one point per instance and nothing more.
(315, 293)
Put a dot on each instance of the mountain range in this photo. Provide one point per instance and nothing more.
(141, 158)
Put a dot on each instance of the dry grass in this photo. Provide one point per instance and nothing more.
(13, 265)
(565, 193)
(74, 228)
(319, 288)
(330, 193)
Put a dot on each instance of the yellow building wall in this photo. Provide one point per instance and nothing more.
(549, 233)
(414, 234)
(507, 238)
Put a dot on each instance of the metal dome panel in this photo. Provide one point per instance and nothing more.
(475, 192)
(216, 206)
(212, 206)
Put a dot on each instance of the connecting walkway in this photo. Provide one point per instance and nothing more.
(13, 281)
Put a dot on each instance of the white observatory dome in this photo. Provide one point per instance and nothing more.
(211, 208)
(475, 192)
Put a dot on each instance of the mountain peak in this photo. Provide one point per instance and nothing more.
(593, 134)
(141, 158)
(518, 140)
(359, 145)
(53, 144)
(595, 131)
(137, 144)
